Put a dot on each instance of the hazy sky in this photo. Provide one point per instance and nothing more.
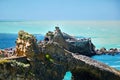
(88, 18)
(59, 9)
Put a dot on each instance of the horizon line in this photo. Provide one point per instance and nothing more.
(51, 20)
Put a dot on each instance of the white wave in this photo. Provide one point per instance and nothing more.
(117, 62)
(107, 63)
(115, 66)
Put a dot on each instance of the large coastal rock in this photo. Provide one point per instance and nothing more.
(85, 47)
(80, 66)
(26, 45)
(58, 37)
(49, 60)
(81, 46)
(111, 51)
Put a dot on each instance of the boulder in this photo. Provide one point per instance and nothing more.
(111, 51)
(82, 47)
(103, 50)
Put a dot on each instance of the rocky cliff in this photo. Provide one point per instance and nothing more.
(81, 46)
(50, 59)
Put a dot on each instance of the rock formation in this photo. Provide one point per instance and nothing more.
(58, 37)
(111, 51)
(50, 59)
(26, 45)
(83, 46)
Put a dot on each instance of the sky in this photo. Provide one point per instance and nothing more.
(98, 19)
(60, 10)
(43, 15)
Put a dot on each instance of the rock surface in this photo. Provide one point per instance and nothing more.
(26, 45)
(58, 37)
(111, 51)
(49, 60)
(81, 46)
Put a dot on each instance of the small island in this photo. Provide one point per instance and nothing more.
(51, 58)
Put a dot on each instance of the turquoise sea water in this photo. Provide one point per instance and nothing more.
(113, 61)
(103, 34)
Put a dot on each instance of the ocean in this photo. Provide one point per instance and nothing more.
(103, 34)
(7, 40)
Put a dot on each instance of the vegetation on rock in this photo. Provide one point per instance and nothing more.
(2, 61)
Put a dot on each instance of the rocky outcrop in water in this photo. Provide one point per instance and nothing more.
(58, 37)
(81, 46)
(85, 47)
(111, 51)
(49, 60)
